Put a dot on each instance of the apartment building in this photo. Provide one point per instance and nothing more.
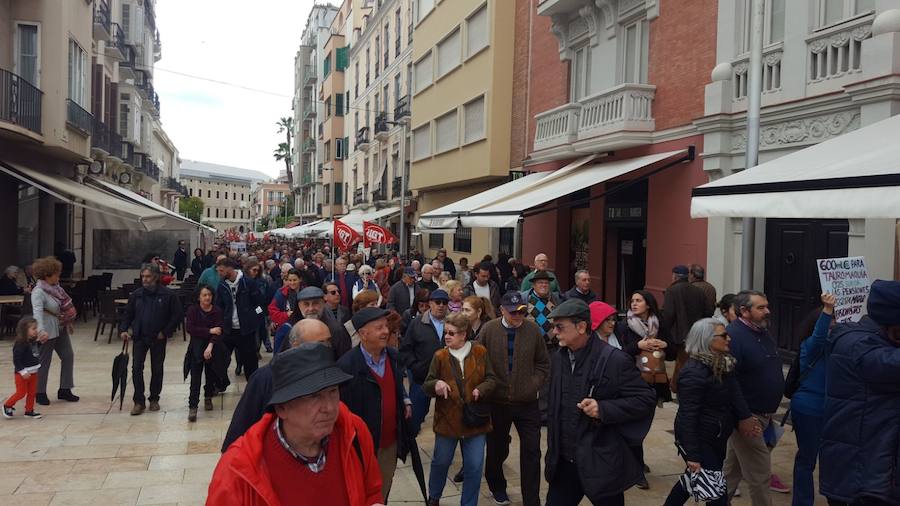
(462, 82)
(227, 193)
(378, 83)
(308, 157)
(269, 200)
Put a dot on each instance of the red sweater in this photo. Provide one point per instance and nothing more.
(388, 405)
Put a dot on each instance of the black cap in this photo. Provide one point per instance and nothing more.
(513, 301)
(304, 370)
(681, 270)
(572, 308)
(311, 293)
(366, 315)
(439, 295)
(542, 275)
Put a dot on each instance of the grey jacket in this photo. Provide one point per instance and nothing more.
(45, 310)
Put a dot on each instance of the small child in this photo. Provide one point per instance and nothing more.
(26, 364)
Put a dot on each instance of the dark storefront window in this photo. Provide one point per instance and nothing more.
(462, 240)
(435, 241)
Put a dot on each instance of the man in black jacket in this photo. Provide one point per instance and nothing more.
(258, 391)
(377, 379)
(241, 305)
(153, 313)
(483, 286)
(424, 336)
(599, 407)
(180, 261)
(582, 289)
(403, 292)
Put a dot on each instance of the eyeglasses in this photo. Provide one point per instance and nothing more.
(441, 302)
(723, 336)
(454, 333)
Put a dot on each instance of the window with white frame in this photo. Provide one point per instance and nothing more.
(581, 72)
(448, 53)
(834, 11)
(477, 31)
(423, 7)
(635, 51)
(473, 129)
(424, 72)
(422, 142)
(77, 74)
(773, 23)
(446, 132)
(28, 53)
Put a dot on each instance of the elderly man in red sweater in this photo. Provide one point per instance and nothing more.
(309, 451)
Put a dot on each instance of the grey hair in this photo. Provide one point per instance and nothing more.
(701, 336)
(365, 269)
(270, 264)
(12, 270)
(742, 299)
(152, 268)
(698, 271)
(580, 272)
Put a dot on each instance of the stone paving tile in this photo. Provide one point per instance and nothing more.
(130, 479)
(111, 497)
(182, 492)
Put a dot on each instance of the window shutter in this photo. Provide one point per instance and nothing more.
(346, 146)
(339, 104)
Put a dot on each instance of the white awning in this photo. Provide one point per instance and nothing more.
(855, 175)
(177, 221)
(302, 230)
(87, 197)
(503, 206)
(355, 218)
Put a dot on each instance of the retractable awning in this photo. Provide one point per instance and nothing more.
(87, 197)
(177, 221)
(356, 219)
(855, 175)
(504, 205)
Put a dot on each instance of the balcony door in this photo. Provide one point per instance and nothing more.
(581, 72)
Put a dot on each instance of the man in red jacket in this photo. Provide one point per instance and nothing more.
(310, 450)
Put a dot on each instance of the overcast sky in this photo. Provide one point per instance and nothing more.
(250, 44)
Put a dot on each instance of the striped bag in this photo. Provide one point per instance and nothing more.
(704, 485)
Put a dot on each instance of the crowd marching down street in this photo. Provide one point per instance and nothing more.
(360, 344)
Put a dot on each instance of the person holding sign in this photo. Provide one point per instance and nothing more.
(860, 434)
(808, 401)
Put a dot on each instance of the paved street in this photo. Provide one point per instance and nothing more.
(92, 453)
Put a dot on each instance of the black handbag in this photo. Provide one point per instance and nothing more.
(475, 414)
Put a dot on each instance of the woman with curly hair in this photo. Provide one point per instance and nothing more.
(55, 314)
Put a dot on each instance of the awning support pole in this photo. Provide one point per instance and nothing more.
(754, 97)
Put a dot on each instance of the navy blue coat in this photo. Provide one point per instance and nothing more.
(248, 301)
(860, 449)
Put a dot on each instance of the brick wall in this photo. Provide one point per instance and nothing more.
(682, 55)
(519, 121)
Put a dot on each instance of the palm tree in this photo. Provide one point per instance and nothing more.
(286, 126)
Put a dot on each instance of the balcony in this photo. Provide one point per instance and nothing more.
(172, 185)
(105, 141)
(102, 20)
(127, 63)
(619, 117)
(143, 164)
(382, 128)
(309, 76)
(115, 45)
(20, 102)
(309, 110)
(126, 153)
(78, 118)
(834, 55)
(401, 112)
(358, 197)
(379, 195)
(309, 145)
(362, 139)
(396, 186)
(771, 82)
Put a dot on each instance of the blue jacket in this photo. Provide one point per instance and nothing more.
(249, 305)
(209, 277)
(860, 449)
(759, 368)
(809, 399)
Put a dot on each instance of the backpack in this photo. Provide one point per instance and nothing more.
(795, 376)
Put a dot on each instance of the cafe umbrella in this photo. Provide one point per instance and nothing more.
(120, 374)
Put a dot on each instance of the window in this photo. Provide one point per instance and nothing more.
(581, 72)
(190, 192)
(634, 52)
(385, 97)
(233, 213)
(477, 31)
(339, 104)
(435, 241)
(447, 132)
(226, 195)
(423, 72)
(423, 7)
(462, 240)
(347, 103)
(124, 111)
(356, 81)
(326, 68)
(242, 197)
(233, 196)
(28, 53)
(328, 151)
(327, 189)
(208, 193)
(339, 149)
(834, 11)
(377, 54)
(474, 121)
(387, 43)
(422, 141)
(448, 51)
(217, 212)
(327, 107)
(77, 74)
(773, 23)
(207, 212)
(397, 28)
(340, 58)
(126, 23)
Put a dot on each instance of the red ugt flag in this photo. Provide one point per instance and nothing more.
(376, 234)
(345, 236)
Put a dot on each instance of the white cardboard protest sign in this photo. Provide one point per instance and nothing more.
(848, 279)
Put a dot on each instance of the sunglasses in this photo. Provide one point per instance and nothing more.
(441, 302)
(453, 333)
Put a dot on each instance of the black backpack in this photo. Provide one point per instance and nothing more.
(795, 376)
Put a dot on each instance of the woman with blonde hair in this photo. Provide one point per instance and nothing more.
(455, 290)
(479, 311)
(55, 314)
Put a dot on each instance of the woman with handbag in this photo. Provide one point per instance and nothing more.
(55, 314)
(707, 414)
(461, 380)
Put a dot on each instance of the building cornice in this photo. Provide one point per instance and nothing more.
(373, 21)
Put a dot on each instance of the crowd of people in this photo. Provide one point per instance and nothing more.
(361, 344)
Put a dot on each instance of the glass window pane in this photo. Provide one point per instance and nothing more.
(834, 11)
(423, 72)
(864, 6)
(630, 54)
(474, 128)
(776, 30)
(421, 142)
(447, 132)
(477, 31)
(27, 57)
(448, 53)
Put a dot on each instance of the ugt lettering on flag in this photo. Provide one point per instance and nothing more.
(376, 234)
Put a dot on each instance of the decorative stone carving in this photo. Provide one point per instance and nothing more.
(570, 27)
(805, 131)
(773, 58)
(578, 27)
(607, 7)
(741, 68)
(560, 30)
(626, 6)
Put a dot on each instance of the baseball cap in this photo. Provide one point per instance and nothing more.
(512, 301)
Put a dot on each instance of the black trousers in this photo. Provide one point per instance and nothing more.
(865, 501)
(712, 456)
(157, 349)
(527, 419)
(198, 368)
(245, 349)
(179, 273)
(566, 489)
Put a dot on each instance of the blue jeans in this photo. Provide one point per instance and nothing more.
(808, 429)
(421, 403)
(473, 465)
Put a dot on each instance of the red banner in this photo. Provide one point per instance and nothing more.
(376, 234)
(345, 236)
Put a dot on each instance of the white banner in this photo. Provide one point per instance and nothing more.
(848, 279)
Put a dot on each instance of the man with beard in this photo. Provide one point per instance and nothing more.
(311, 303)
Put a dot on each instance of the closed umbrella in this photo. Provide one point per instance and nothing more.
(120, 374)
(413, 448)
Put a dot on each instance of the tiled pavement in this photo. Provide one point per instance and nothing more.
(91, 453)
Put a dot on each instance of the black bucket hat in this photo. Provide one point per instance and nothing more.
(304, 370)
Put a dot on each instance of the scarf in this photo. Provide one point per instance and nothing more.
(460, 356)
(719, 363)
(646, 329)
(67, 312)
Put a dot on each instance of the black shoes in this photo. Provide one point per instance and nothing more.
(64, 394)
(458, 477)
(42, 399)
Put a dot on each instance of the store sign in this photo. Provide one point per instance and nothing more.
(848, 279)
(517, 174)
(624, 213)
